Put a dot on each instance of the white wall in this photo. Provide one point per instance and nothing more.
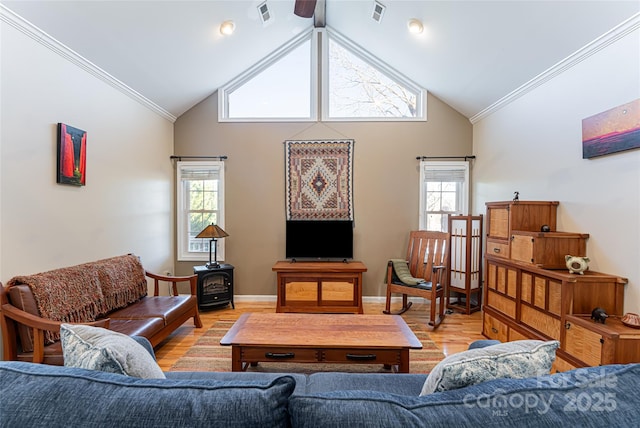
(126, 204)
(534, 146)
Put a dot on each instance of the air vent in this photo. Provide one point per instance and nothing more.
(378, 11)
(263, 11)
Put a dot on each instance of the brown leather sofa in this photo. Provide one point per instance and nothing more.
(110, 293)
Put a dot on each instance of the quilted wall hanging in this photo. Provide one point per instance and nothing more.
(319, 180)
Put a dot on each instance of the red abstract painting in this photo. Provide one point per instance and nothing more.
(72, 155)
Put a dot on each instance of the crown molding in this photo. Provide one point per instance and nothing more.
(615, 34)
(16, 21)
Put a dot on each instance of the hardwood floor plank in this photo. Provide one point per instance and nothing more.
(454, 335)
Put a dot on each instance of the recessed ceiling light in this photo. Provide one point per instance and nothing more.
(227, 28)
(415, 26)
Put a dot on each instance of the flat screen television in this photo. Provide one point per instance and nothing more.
(319, 239)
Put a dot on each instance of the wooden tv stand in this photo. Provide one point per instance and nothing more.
(331, 287)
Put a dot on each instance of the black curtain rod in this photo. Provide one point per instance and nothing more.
(198, 157)
(445, 157)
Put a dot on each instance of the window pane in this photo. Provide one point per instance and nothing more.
(433, 186)
(448, 201)
(433, 201)
(449, 186)
(283, 90)
(434, 222)
(210, 201)
(358, 89)
(210, 185)
(203, 206)
(196, 224)
(196, 200)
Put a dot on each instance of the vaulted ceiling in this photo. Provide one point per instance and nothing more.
(470, 55)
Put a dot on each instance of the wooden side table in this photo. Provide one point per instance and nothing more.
(330, 287)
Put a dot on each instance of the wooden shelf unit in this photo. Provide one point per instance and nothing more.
(330, 287)
(526, 301)
(503, 218)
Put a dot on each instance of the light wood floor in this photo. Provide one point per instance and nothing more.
(454, 335)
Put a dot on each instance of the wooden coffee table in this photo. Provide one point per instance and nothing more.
(320, 338)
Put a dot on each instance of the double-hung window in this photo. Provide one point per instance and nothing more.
(444, 191)
(200, 201)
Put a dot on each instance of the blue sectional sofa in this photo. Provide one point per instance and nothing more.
(36, 395)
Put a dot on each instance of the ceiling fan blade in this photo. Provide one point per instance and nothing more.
(304, 8)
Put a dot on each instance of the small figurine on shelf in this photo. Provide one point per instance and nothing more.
(516, 196)
(599, 315)
(577, 264)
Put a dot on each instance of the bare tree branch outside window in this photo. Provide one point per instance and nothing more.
(358, 89)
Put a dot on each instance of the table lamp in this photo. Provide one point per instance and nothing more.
(213, 231)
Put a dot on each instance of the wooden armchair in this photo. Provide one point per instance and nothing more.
(423, 273)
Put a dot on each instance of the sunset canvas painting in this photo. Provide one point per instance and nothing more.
(611, 131)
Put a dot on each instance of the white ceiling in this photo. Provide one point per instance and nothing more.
(471, 54)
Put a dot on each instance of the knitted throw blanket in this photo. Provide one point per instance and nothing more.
(85, 292)
(401, 270)
(121, 280)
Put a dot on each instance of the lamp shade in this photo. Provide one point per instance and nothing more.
(212, 231)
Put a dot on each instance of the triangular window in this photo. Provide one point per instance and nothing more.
(361, 87)
(280, 87)
(356, 86)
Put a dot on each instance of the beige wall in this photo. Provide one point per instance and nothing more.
(386, 184)
(534, 145)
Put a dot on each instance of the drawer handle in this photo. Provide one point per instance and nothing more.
(493, 329)
(496, 250)
(280, 356)
(365, 357)
(567, 325)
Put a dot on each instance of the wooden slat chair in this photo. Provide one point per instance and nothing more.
(422, 274)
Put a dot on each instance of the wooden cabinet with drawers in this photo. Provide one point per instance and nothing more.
(505, 217)
(547, 249)
(589, 343)
(526, 299)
